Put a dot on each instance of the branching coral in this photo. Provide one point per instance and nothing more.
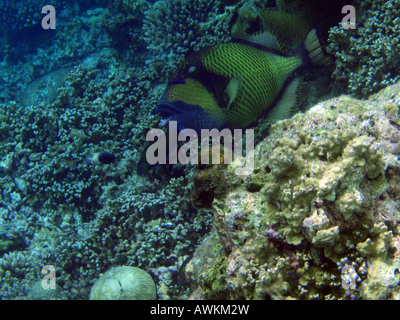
(44, 165)
(17, 15)
(175, 28)
(68, 203)
(368, 57)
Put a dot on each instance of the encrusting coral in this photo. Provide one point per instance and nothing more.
(321, 200)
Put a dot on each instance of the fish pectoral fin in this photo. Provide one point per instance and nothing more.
(286, 105)
(232, 89)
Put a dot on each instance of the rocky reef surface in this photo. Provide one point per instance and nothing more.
(318, 218)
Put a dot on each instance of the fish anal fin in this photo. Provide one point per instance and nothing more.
(286, 105)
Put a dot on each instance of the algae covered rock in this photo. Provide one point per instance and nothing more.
(325, 203)
(124, 283)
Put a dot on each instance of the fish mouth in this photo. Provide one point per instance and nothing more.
(184, 114)
(187, 116)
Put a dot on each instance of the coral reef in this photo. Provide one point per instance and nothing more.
(17, 15)
(176, 28)
(323, 197)
(321, 200)
(51, 56)
(97, 206)
(367, 58)
(54, 200)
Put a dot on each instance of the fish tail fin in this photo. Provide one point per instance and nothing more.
(314, 51)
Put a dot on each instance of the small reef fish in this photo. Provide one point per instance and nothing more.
(230, 85)
(102, 158)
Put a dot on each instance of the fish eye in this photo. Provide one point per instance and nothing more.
(192, 69)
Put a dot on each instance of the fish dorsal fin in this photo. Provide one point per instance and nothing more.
(266, 39)
(286, 104)
(232, 89)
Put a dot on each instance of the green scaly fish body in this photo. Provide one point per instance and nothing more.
(261, 74)
(197, 97)
(291, 28)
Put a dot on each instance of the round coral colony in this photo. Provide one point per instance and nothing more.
(124, 283)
